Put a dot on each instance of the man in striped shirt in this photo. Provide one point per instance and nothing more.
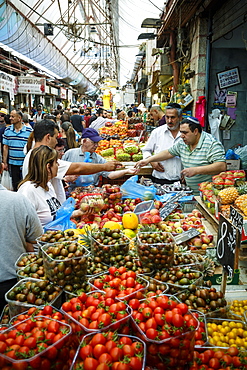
(14, 139)
(201, 154)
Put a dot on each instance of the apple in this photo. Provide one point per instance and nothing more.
(185, 227)
(156, 219)
(197, 213)
(179, 230)
(211, 237)
(205, 239)
(168, 229)
(177, 224)
(146, 221)
(171, 223)
(126, 209)
(204, 246)
(197, 242)
(154, 212)
(201, 229)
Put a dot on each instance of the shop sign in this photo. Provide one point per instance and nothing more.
(8, 83)
(170, 205)
(70, 95)
(31, 85)
(63, 93)
(54, 91)
(186, 235)
(47, 89)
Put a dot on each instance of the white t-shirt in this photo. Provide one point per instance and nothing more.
(45, 202)
(56, 181)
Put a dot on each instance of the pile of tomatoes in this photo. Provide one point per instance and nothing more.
(110, 351)
(120, 283)
(96, 311)
(219, 359)
(35, 343)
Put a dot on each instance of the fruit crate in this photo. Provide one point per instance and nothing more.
(4, 317)
(116, 325)
(16, 306)
(141, 279)
(178, 277)
(33, 358)
(179, 347)
(26, 259)
(232, 325)
(147, 249)
(180, 260)
(70, 267)
(203, 292)
(78, 362)
(106, 251)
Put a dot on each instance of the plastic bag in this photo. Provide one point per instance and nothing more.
(242, 152)
(6, 180)
(62, 221)
(230, 154)
(85, 180)
(130, 189)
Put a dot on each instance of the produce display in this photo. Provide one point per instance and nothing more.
(34, 343)
(97, 350)
(65, 263)
(127, 297)
(109, 243)
(31, 292)
(155, 249)
(120, 283)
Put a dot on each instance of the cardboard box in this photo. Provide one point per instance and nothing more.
(233, 164)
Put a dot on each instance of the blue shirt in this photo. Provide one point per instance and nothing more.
(16, 142)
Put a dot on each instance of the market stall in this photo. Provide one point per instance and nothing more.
(128, 286)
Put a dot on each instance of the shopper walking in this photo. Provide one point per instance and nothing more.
(15, 138)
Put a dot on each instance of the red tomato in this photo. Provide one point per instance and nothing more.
(53, 327)
(98, 350)
(105, 358)
(102, 366)
(121, 270)
(214, 363)
(138, 347)
(159, 318)
(98, 339)
(178, 320)
(116, 354)
(123, 366)
(30, 342)
(109, 345)
(151, 323)
(112, 270)
(152, 333)
(86, 351)
(147, 312)
(183, 308)
(104, 320)
(128, 350)
(90, 363)
(169, 317)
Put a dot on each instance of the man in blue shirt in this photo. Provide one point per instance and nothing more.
(14, 139)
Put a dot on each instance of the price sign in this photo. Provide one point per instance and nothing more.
(167, 209)
(170, 205)
(237, 219)
(186, 235)
(228, 241)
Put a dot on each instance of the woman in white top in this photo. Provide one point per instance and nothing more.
(36, 186)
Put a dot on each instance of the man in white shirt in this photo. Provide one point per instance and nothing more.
(101, 120)
(45, 133)
(161, 138)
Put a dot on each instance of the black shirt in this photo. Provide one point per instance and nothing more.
(76, 121)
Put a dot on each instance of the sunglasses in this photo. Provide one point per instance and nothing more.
(2, 115)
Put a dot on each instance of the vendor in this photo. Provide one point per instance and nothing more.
(201, 154)
(89, 142)
(163, 137)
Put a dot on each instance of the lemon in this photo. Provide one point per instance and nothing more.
(129, 233)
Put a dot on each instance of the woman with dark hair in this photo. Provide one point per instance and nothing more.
(36, 186)
(68, 135)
